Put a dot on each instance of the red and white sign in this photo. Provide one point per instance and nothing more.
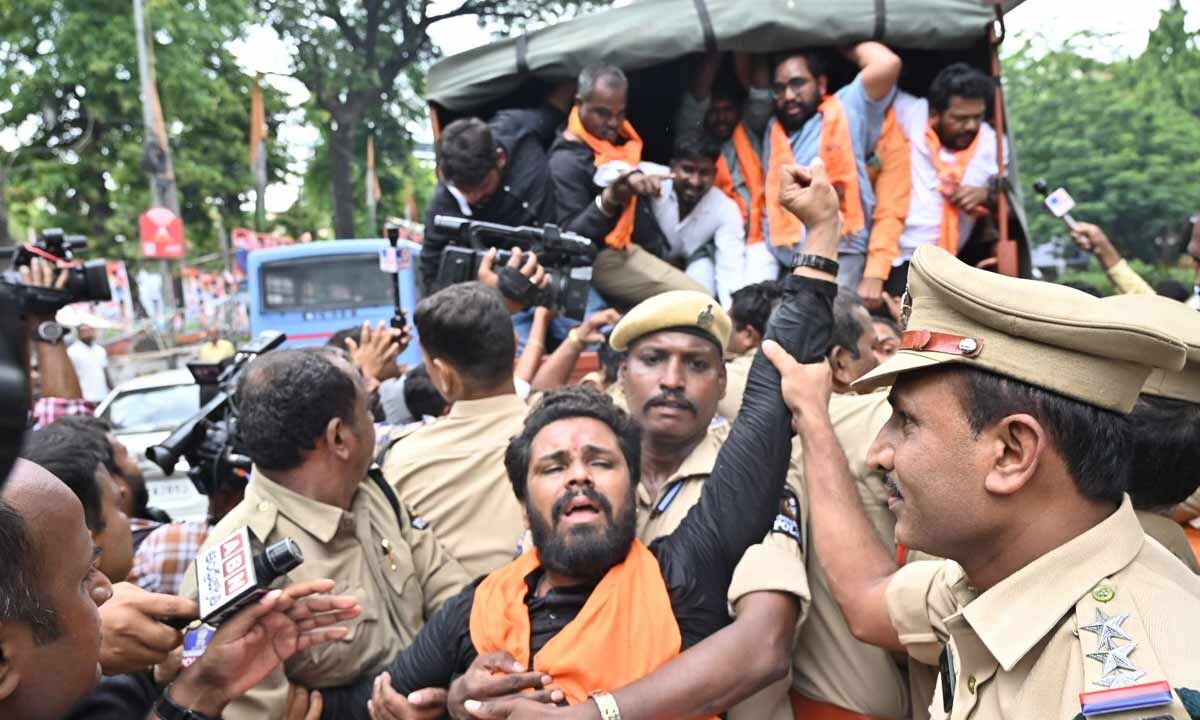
(245, 239)
(161, 233)
(226, 571)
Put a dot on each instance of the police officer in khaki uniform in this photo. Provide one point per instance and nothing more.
(673, 376)
(1166, 423)
(451, 472)
(1007, 454)
(833, 673)
(311, 450)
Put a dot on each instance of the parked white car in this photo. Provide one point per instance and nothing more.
(143, 412)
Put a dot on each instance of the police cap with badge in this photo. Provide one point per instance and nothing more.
(1050, 336)
(688, 311)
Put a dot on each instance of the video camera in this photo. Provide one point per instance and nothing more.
(209, 439)
(566, 256)
(86, 282)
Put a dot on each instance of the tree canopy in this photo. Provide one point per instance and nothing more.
(1123, 137)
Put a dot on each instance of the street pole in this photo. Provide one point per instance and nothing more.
(156, 157)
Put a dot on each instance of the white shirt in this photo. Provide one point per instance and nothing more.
(924, 223)
(89, 362)
(716, 219)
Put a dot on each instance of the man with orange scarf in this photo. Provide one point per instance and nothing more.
(591, 609)
(953, 166)
(716, 106)
(842, 129)
(617, 216)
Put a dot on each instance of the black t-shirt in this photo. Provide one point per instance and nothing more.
(573, 167)
(736, 508)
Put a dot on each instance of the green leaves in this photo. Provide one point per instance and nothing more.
(1123, 137)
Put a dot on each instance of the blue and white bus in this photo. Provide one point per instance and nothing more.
(312, 290)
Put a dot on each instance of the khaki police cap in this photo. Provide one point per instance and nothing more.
(686, 310)
(1046, 335)
(1184, 323)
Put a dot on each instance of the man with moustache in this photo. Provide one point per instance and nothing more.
(617, 217)
(840, 128)
(1008, 452)
(951, 180)
(590, 605)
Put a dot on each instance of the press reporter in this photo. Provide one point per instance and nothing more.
(51, 591)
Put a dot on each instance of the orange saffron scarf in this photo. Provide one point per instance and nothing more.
(631, 152)
(893, 196)
(625, 631)
(752, 175)
(837, 151)
(949, 178)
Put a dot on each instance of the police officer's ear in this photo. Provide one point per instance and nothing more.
(16, 639)
(842, 363)
(1016, 446)
(446, 378)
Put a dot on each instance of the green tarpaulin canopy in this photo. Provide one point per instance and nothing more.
(647, 32)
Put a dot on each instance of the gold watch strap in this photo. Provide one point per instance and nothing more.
(607, 704)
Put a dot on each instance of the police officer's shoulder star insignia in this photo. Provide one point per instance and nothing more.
(1107, 627)
(1117, 658)
(1120, 679)
(705, 318)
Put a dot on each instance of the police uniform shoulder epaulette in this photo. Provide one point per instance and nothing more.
(1120, 669)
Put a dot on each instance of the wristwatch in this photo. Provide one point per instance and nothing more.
(816, 262)
(167, 709)
(50, 332)
(607, 704)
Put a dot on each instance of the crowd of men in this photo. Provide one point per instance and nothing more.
(767, 502)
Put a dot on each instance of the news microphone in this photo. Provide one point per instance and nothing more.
(1059, 203)
(238, 572)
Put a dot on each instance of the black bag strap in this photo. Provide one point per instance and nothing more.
(376, 475)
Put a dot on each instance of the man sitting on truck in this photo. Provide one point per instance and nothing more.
(842, 129)
(600, 144)
(702, 226)
(494, 172)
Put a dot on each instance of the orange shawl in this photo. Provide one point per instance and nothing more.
(752, 175)
(949, 178)
(625, 631)
(837, 151)
(893, 195)
(631, 152)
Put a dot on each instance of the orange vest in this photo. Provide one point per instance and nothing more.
(631, 152)
(949, 178)
(625, 631)
(752, 175)
(837, 151)
(893, 193)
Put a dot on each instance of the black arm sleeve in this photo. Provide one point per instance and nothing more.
(571, 169)
(741, 496)
(441, 652)
(436, 239)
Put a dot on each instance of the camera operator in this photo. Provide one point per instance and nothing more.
(59, 394)
(50, 591)
(304, 419)
(494, 171)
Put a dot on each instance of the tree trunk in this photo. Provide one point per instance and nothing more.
(343, 133)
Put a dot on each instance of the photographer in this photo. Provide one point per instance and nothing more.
(59, 394)
(304, 419)
(50, 590)
(495, 172)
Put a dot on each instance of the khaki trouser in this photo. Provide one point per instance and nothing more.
(627, 277)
